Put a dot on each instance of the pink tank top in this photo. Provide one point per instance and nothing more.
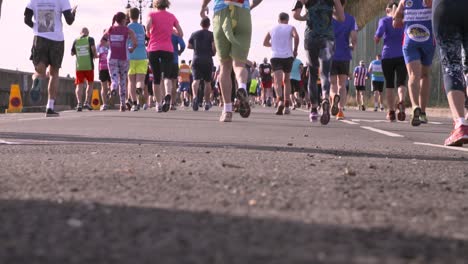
(161, 31)
(118, 36)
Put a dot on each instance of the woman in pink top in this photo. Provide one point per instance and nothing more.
(118, 60)
(159, 28)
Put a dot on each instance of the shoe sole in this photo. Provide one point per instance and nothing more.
(325, 118)
(280, 110)
(167, 103)
(195, 105)
(335, 109)
(415, 118)
(459, 143)
(401, 113)
(244, 106)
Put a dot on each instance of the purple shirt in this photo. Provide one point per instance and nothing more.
(393, 38)
(342, 33)
(118, 36)
(360, 74)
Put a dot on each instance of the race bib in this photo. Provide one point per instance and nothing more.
(234, 2)
(266, 70)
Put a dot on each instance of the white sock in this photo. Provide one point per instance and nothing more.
(50, 104)
(460, 122)
(243, 86)
(228, 107)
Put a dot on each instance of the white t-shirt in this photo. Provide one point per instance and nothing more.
(48, 18)
(281, 41)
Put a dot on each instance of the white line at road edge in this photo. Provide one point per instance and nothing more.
(8, 143)
(441, 146)
(349, 122)
(383, 132)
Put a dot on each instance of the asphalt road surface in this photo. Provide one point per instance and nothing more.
(181, 187)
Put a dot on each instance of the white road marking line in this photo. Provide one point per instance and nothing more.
(8, 142)
(436, 123)
(383, 132)
(441, 146)
(349, 122)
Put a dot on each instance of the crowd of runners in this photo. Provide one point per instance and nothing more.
(139, 64)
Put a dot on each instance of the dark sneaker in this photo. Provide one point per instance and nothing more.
(207, 106)
(280, 109)
(391, 116)
(335, 109)
(376, 109)
(401, 112)
(129, 104)
(51, 113)
(244, 106)
(313, 116)
(87, 107)
(123, 108)
(286, 111)
(325, 118)
(268, 102)
(195, 104)
(458, 137)
(186, 103)
(35, 92)
(415, 121)
(166, 103)
(363, 108)
(135, 108)
(79, 108)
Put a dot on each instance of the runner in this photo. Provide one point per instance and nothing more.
(266, 82)
(138, 63)
(360, 77)
(84, 49)
(280, 39)
(320, 47)
(179, 47)
(118, 35)
(232, 28)
(296, 72)
(48, 46)
(393, 64)
(184, 82)
(202, 43)
(159, 28)
(345, 41)
(104, 75)
(451, 32)
(418, 49)
(375, 68)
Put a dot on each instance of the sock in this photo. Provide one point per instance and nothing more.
(243, 86)
(460, 122)
(50, 104)
(228, 107)
(376, 105)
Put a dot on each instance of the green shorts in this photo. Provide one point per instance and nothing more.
(138, 67)
(232, 29)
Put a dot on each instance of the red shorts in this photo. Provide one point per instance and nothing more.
(82, 76)
(267, 84)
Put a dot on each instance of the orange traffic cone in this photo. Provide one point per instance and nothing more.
(16, 102)
(95, 100)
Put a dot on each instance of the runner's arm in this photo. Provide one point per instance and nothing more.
(180, 33)
(296, 41)
(338, 12)
(149, 25)
(213, 48)
(267, 40)
(297, 12)
(182, 45)
(398, 15)
(28, 15)
(354, 38)
(73, 49)
(70, 15)
(133, 38)
(204, 8)
(93, 48)
(255, 3)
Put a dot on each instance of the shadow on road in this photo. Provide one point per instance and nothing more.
(47, 232)
(289, 149)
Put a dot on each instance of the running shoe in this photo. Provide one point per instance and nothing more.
(415, 121)
(376, 109)
(286, 111)
(79, 108)
(226, 117)
(401, 112)
(340, 115)
(382, 109)
(145, 107)
(51, 113)
(35, 92)
(186, 102)
(244, 106)
(87, 107)
(325, 118)
(458, 137)
(335, 109)
(363, 108)
(391, 116)
(423, 118)
(123, 108)
(208, 106)
(313, 116)
(129, 104)
(173, 107)
(166, 103)
(135, 108)
(195, 104)
(104, 107)
(158, 108)
(279, 110)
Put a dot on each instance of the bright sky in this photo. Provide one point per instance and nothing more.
(97, 15)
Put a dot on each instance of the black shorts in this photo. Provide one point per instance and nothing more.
(377, 86)
(284, 65)
(295, 86)
(161, 63)
(104, 76)
(340, 68)
(48, 52)
(174, 71)
(360, 88)
(392, 67)
(202, 70)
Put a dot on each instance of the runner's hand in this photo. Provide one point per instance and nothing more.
(204, 12)
(74, 9)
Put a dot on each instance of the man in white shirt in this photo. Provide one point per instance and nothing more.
(48, 47)
(280, 39)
